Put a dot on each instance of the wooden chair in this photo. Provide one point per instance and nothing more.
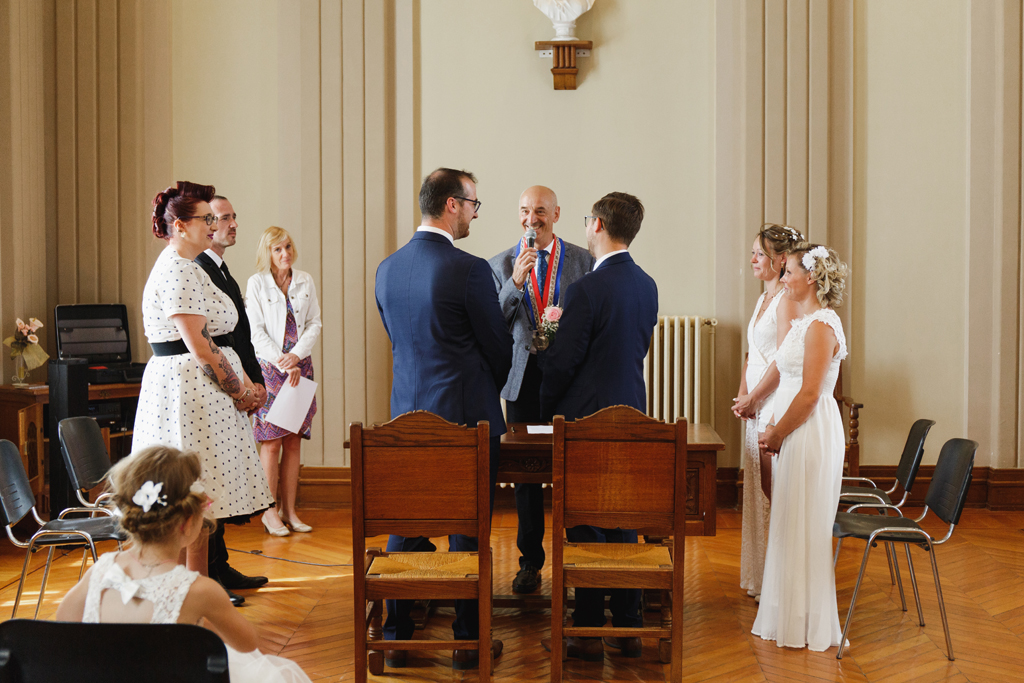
(619, 468)
(419, 475)
(851, 409)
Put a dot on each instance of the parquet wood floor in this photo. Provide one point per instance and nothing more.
(305, 612)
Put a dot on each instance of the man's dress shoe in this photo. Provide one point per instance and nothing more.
(631, 647)
(229, 577)
(235, 598)
(587, 649)
(394, 658)
(470, 659)
(527, 580)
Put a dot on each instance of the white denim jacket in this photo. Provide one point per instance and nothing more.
(267, 310)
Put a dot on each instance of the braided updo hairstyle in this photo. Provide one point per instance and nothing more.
(828, 271)
(778, 240)
(176, 202)
(177, 471)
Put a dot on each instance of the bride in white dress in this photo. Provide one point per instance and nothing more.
(162, 503)
(798, 594)
(768, 326)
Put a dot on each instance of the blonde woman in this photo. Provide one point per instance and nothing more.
(798, 597)
(285, 318)
(768, 326)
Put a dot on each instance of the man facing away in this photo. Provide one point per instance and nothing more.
(528, 280)
(596, 361)
(212, 261)
(452, 351)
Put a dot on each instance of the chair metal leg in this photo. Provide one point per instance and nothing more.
(853, 601)
(21, 584)
(889, 550)
(913, 583)
(835, 560)
(81, 570)
(899, 581)
(942, 604)
(46, 574)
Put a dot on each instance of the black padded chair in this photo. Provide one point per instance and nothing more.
(906, 474)
(946, 497)
(155, 653)
(17, 501)
(85, 456)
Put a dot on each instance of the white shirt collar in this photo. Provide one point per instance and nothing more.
(436, 231)
(216, 258)
(604, 258)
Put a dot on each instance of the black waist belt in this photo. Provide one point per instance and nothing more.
(176, 348)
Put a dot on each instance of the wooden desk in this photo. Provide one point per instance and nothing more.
(526, 458)
(22, 422)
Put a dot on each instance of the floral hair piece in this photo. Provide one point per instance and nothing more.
(197, 487)
(148, 495)
(793, 234)
(809, 258)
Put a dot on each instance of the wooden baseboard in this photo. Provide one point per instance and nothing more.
(325, 487)
(992, 488)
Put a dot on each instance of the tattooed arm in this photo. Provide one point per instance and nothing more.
(213, 362)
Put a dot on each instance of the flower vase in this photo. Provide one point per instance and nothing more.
(20, 372)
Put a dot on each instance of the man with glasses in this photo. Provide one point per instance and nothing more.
(212, 261)
(452, 352)
(597, 361)
(530, 278)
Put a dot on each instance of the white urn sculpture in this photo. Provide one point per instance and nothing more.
(563, 15)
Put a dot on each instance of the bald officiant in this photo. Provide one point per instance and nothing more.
(212, 261)
(531, 276)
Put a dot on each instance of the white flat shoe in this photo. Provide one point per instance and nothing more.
(301, 527)
(279, 531)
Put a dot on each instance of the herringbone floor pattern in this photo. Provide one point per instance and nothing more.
(305, 612)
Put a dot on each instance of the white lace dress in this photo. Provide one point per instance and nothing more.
(181, 406)
(167, 592)
(762, 337)
(798, 595)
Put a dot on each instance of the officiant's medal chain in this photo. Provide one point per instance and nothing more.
(551, 288)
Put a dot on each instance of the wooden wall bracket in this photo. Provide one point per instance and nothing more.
(563, 60)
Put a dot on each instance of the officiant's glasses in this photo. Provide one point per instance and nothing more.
(476, 202)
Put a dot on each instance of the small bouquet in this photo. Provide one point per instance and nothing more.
(545, 333)
(25, 349)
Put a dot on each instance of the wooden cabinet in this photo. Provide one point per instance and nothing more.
(23, 418)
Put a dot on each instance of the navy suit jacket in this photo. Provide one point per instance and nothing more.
(597, 357)
(451, 347)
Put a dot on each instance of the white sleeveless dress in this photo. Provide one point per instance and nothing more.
(167, 592)
(798, 595)
(762, 337)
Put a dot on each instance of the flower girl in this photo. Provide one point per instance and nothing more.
(161, 499)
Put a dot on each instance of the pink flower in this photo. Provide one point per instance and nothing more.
(552, 314)
(22, 327)
(34, 324)
(33, 339)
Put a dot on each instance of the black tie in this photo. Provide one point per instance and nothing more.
(233, 291)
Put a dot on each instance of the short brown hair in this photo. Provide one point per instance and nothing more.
(176, 471)
(437, 187)
(621, 214)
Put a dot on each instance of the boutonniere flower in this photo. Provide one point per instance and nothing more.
(548, 327)
(148, 495)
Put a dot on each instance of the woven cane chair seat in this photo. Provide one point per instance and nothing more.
(617, 556)
(425, 565)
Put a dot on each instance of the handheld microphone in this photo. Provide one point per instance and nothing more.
(531, 237)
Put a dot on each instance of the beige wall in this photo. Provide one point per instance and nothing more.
(898, 124)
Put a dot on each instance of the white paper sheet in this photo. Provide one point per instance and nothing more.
(540, 429)
(292, 404)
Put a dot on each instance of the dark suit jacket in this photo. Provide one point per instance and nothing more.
(597, 357)
(450, 343)
(578, 262)
(242, 333)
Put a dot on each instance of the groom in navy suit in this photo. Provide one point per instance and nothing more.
(596, 361)
(452, 353)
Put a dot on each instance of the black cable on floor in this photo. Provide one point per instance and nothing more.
(285, 559)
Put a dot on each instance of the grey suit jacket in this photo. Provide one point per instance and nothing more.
(578, 263)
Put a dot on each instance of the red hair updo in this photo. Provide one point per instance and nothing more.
(176, 202)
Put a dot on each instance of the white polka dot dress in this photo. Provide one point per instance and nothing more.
(180, 406)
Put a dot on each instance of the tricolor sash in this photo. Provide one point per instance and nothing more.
(544, 294)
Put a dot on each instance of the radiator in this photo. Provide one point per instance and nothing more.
(680, 369)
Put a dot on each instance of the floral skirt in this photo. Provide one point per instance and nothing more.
(274, 379)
